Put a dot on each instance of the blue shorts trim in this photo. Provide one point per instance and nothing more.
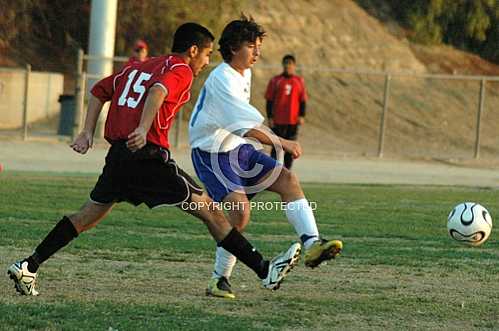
(234, 171)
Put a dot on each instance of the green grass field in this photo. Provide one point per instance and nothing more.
(142, 269)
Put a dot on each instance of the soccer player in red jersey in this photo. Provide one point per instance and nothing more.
(139, 169)
(286, 97)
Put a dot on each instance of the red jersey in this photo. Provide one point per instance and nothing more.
(133, 60)
(128, 89)
(286, 94)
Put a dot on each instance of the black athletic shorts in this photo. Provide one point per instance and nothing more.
(286, 131)
(147, 176)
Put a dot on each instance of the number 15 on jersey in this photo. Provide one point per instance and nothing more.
(138, 88)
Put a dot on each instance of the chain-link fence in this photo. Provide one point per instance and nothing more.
(353, 112)
(350, 112)
(381, 113)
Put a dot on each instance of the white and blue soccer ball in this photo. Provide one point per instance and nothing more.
(469, 223)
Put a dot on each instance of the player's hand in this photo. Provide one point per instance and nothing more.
(292, 147)
(82, 143)
(301, 120)
(137, 139)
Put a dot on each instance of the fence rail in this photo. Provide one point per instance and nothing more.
(387, 88)
(386, 93)
(28, 97)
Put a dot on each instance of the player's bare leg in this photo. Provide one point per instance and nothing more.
(24, 272)
(287, 186)
(238, 215)
(214, 219)
(301, 216)
(272, 273)
(219, 285)
(239, 212)
(89, 215)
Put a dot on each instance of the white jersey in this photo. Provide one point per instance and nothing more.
(223, 114)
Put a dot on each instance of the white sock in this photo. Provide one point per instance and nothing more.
(224, 263)
(301, 216)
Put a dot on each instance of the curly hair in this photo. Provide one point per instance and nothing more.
(236, 33)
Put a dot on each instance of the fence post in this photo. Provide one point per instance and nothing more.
(178, 124)
(25, 106)
(79, 94)
(80, 104)
(381, 142)
(479, 118)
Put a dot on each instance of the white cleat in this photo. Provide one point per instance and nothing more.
(23, 279)
(280, 266)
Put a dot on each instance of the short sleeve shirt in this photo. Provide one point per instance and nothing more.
(286, 93)
(223, 114)
(128, 89)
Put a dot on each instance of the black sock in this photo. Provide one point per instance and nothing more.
(235, 243)
(59, 237)
(33, 264)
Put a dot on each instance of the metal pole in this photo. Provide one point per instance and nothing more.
(101, 42)
(79, 93)
(79, 61)
(479, 118)
(79, 104)
(25, 108)
(101, 37)
(381, 143)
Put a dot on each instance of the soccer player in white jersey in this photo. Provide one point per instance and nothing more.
(231, 168)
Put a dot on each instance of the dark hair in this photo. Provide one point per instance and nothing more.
(237, 32)
(189, 34)
(288, 57)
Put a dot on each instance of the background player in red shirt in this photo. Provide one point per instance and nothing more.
(286, 97)
(139, 169)
(140, 52)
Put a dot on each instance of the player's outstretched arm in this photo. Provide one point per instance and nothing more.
(84, 140)
(263, 136)
(155, 98)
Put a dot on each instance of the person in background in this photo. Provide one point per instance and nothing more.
(286, 97)
(140, 52)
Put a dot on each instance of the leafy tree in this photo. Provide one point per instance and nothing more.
(472, 25)
(469, 25)
(47, 33)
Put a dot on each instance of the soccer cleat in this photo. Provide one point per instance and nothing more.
(24, 280)
(322, 250)
(280, 266)
(220, 288)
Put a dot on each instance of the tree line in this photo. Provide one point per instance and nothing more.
(46, 33)
(470, 25)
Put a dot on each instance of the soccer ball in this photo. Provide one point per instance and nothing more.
(469, 223)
